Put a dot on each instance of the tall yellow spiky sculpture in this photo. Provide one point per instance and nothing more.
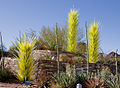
(94, 42)
(25, 60)
(72, 30)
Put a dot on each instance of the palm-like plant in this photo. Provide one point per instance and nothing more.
(94, 43)
(25, 59)
(113, 81)
(72, 30)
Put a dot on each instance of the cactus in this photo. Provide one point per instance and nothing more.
(2, 51)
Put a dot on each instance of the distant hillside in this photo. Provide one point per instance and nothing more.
(111, 56)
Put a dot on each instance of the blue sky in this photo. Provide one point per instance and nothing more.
(22, 15)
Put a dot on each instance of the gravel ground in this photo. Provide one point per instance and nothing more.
(10, 85)
(14, 85)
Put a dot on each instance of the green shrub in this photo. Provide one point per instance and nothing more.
(5, 74)
(64, 81)
(81, 78)
(113, 81)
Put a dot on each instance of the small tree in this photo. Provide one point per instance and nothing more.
(72, 30)
(25, 59)
(93, 37)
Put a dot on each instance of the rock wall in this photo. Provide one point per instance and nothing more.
(45, 68)
(42, 54)
(11, 64)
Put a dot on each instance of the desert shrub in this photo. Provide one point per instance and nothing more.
(64, 81)
(47, 38)
(69, 81)
(25, 60)
(110, 80)
(5, 74)
(105, 73)
(81, 48)
(113, 81)
(81, 78)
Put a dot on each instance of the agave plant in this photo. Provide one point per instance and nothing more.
(113, 81)
(94, 83)
(64, 81)
(81, 78)
(25, 60)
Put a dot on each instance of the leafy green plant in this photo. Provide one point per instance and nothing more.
(105, 73)
(25, 60)
(93, 37)
(72, 30)
(47, 38)
(111, 81)
(81, 78)
(48, 57)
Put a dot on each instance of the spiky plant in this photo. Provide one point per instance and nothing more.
(72, 30)
(94, 42)
(113, 81)
(25, 60)
(63, 81)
